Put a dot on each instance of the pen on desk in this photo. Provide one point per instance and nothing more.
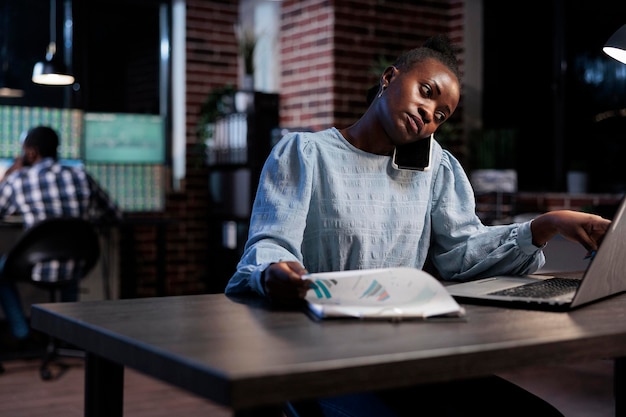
(590, 254)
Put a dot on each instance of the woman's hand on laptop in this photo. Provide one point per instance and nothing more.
(584, 228)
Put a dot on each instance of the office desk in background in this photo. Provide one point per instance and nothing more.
(11, 228)
(252, 359)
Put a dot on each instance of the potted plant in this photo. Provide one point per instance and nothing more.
(247, 43)
(219, 102)
(493, 160)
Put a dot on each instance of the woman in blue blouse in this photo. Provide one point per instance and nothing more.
(333, 200)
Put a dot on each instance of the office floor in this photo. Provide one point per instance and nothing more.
(580, 390)
(24, 394)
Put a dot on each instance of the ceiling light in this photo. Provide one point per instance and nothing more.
(52, 71)
(615, 47)
(8, 85)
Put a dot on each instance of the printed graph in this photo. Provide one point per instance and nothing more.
(385, 293)
(322, 287)
(374, 291)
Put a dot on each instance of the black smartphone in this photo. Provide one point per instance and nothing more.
(413, 156)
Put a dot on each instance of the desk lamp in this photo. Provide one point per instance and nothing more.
(615, 47)
(52, 71)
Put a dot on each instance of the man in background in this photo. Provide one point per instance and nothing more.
(38, 187)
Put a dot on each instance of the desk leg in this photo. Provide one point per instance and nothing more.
(105, 261)
(619, 386)
(104, 387)
(161, 262)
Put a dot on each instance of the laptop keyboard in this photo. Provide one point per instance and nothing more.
(550, 287)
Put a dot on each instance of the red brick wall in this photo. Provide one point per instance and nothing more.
(306, 60)
(327, 51)
(211, 52)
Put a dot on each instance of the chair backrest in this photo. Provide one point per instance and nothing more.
(64, 241)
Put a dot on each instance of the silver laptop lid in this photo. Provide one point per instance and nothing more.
(606, 274)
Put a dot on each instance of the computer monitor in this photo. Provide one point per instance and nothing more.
(124, 138)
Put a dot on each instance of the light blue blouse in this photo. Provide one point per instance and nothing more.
(331, 207)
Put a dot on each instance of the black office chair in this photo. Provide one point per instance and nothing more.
(74, 243)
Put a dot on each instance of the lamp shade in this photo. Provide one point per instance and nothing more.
(615, 47)
(8, 90)
(9, 87)
(51, 72)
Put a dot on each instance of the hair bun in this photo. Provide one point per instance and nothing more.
(440, 43)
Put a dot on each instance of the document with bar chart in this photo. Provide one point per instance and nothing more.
(386, 293)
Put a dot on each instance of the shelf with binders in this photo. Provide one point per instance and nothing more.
(241, 133)
(237, 144)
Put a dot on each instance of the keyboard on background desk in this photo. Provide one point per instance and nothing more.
(13, 219)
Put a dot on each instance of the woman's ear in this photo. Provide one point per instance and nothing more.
(386, 78)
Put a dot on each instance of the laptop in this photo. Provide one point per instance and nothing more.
(604, 276)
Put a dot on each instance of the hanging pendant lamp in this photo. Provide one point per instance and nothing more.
(8, 85)
(52, 71)
(615, 47)
(8, 88)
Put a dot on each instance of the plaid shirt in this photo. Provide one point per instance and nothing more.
(49, 189)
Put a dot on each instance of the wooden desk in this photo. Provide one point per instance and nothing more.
(248, 357)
